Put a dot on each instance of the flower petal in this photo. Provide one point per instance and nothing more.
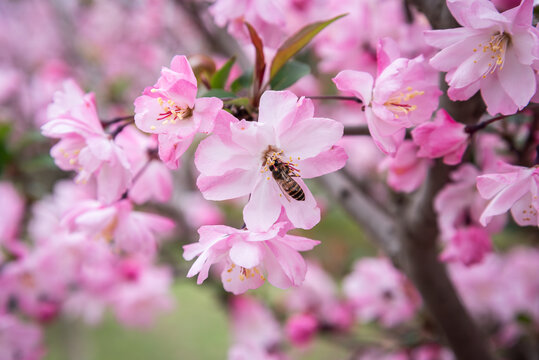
(358, 83)
(263, 207)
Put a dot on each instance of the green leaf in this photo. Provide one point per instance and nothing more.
(5, 155)
(297, 42)
(218, 93)
(242, 101)
(291, 72)
(242, 82)
(218, 80)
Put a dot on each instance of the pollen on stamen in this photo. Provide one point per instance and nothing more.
(152, 127)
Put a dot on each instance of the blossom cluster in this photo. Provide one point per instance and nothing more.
(94, 243)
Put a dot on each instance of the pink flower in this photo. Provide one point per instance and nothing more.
(248, 255)
(47, 213)
(237, 160)
(468, 245)
(459, 207)
(379, 292)
(318, 295)
(267, 17)
(84, 146)
(171, 110)
(253, 323)
(153, 178)
(502, 287)
(441, 137)
(131, 231)
(301, 328)
(432, 352)
(406, 171)
(492, 52)
(256, 333)
(404, 94)
(516, 188)
(11, 212)
(19, 340)
(144, 293)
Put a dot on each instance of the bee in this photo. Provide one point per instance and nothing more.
(283, 175)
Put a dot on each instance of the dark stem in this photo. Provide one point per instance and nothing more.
(335, 97)
(119, 129)
(105, 123)
(471, 129)
(356, 130)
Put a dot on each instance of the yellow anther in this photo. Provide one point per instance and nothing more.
(152, 127)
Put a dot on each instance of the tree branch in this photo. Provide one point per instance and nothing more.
(379, 225)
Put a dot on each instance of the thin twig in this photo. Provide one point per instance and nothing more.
(335, 97)
(119, 129)
(471, 129)
(117, 120)
(356, 130)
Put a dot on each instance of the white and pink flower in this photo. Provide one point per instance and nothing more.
(380, 292)
(171, 110)
(515, 188)
(492, 52)
(441, 137)
(236, 160)
(84, 146)
(404, 94)
(249, 257)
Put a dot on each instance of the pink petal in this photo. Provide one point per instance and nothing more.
(302, 214)
(517, 80)
(504, 200)
(232, 184)
(180, 65)
(495, 97)
(444, 38)
(358, 83)
(524, 212)
(290, 261)
(171, 149)
(214, 156)
(276, 107)
(246, 254)
(387, 50)
(324, 163)
(237, 283)
(310, 137)
(300, 243)
(206, 109)
(263, 207)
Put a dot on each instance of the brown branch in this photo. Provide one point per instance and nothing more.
(378, 224)
(356, 130)
(335, 97)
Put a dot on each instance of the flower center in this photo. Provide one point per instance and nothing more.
(398, 103)
(171, 111)
(275, 157)
(495, 49)
(245, 273)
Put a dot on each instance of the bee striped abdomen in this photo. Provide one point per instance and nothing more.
(293, 189)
